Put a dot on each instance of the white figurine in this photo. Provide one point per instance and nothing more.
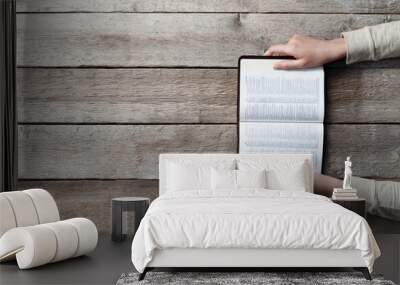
(347, 174)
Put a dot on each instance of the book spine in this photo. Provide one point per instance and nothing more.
(345, 191)
(344, 197)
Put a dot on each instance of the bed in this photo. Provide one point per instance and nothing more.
(247, 210)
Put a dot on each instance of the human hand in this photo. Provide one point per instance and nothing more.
(308, 52)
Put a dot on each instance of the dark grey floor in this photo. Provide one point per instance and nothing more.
(110, 260)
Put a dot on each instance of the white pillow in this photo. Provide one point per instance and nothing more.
(282, 174)
(188, 177)
(251, 178)
(226, 180)
(292, 180)
(223, 179)
(187, 174)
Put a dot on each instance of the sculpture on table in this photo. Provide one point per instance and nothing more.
(347, 174)
(346, 192)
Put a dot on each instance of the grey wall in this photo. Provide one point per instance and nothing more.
(105, 86)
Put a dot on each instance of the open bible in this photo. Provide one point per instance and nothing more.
(280, 111)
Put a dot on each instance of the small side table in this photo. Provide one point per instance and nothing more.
(358, 205)
(119, 219)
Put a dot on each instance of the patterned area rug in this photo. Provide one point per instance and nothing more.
(269, 278)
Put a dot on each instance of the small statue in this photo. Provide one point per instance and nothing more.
(347, 174)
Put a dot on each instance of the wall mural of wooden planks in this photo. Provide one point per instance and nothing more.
(105, 86)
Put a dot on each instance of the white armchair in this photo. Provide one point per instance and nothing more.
(31, 230)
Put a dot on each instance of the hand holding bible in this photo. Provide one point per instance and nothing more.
(307, 51)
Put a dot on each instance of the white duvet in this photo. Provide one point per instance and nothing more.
(251, 219)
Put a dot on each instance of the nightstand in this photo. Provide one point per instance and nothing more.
(120, 207)
(358, 205)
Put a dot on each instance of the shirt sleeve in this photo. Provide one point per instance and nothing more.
(373, 43)
(383, 197)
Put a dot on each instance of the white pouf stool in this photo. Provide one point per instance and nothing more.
(31, 230)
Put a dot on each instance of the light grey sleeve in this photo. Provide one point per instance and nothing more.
(383, 197)
(373, 43)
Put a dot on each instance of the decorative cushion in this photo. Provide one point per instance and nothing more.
(223, 180)
(291, 178)
(45, 206)
(251, 179)
(40, 244)
(7, 220)
(226, 180)
(67, 240)
(188, 177)
(282, 174)
(34, 244)
(23, 208)
(87, 233)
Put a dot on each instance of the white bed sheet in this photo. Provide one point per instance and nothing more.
(251, 219)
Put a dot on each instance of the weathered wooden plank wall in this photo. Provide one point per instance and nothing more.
(255, 6)
(155, 95)
(134, 95)
(166, 39)
(105, 86)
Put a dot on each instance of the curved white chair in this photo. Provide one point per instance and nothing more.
(31, 230)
